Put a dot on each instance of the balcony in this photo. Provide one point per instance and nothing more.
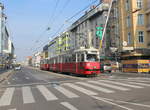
(148, 27)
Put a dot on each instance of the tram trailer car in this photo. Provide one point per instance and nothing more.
(44, 65)
(82, 61)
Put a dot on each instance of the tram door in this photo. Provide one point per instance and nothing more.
(74, 63)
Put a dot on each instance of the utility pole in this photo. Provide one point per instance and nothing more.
(105, 26)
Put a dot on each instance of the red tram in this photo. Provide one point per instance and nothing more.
(82, 61)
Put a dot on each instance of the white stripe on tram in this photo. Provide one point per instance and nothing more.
(46, 93)
(96, 87)
(109, 85)
(123, 84)
(80, 89)
(68, 105)
(7, 97)
(66, 92)
(27, 95)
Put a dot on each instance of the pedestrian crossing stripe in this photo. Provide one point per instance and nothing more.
(96, 87)
(27, 95)
(68, 106)
(66, 92)
(110, 86)
(7, 97)
(141, 84)
(46, 93)
(81, 87)
(122, 84)
(83, 90)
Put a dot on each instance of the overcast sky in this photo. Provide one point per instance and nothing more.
(29, 19)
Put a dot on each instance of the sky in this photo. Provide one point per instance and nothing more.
(28, 21)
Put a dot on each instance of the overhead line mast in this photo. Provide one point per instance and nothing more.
(105, 26)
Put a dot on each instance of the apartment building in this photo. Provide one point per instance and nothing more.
(133, 21)
(6, 45)
(83, 31)
(147, 9)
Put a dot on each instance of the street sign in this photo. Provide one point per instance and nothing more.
(99, 31)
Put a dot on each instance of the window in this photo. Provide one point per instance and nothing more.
(127, 5)
(129, 38)
(92, 57)
(141, 36)
(139, 3)
(140, 19)
(128, 20)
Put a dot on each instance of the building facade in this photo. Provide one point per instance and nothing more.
(83, 31)
(133, 21)
(6, 45)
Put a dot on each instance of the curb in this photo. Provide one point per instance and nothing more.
(132, 74)
(5, 75)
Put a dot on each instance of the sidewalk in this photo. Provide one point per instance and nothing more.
(131, 74)
(5, 74)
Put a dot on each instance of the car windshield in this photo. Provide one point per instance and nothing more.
(92, 57)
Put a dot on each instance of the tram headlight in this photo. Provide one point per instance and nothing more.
(88, 64)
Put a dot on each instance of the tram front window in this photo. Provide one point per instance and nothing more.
(92, 57)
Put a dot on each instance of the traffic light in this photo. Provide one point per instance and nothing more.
(99, 31)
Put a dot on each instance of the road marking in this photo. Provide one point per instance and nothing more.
(142, 84)
(66, 92)
(109, 102)
(7, 97)
(123, 84)
(27, 78)
(95, 87)
(46, 93)
(13, 109)
(8, 82)
(78, 88)
(68, 105)
(27, 95)
(110, 85)
(131, 103)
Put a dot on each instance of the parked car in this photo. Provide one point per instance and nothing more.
(17, 67)
(106, 68)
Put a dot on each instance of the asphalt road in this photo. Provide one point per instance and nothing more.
(32, 89)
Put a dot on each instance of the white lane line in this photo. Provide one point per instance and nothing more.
(109, 85)
(143, 81)
(46, 93)
(109, 102)
(123, 84)
(68, 105)
(96, 87)
(7, 97)
(131, 103)
(80, 89)
(66, 92)
(27, 95)
(141, 84)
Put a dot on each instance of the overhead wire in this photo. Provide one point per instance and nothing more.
(47, 27)
(66, 21)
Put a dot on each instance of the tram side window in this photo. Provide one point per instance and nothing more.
(82, 57)
(79, 57)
